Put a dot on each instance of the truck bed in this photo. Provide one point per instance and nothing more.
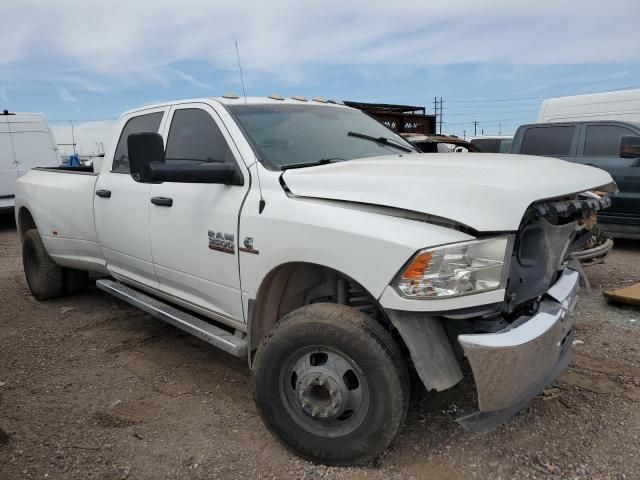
(60, 201)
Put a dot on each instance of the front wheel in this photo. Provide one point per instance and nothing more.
(331, 384)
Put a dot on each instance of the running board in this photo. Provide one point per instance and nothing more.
(216, 336)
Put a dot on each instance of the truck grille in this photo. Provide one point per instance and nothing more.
(543, 244)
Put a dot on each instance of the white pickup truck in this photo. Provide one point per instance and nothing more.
(313, 240)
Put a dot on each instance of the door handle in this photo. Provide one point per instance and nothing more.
(162, 201)
(103, 193)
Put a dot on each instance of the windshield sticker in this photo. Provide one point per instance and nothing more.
(222, 242)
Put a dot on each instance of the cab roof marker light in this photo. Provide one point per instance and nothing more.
(300, 98)
(320, 99)
(275, 96)
(231, 95)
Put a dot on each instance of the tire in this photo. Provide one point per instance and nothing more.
(311, 406)
(74, 281)
(44, 277)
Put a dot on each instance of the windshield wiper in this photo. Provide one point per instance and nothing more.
(322, 161)
(381, 140)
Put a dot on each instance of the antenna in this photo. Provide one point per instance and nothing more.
(261, 203)
(244, 93)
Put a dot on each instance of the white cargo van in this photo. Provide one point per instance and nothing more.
(621, 105)
(25, 142)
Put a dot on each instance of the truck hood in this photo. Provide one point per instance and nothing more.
(487, 192)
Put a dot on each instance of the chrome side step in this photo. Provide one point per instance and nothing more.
(216, 336)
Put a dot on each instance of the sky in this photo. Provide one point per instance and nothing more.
(491, 61)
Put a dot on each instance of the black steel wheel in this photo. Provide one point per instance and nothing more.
(331, 384)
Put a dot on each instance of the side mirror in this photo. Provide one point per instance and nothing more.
(144, 148)
(195, 173)
(630, 147)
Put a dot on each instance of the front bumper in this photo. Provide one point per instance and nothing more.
(512, 366)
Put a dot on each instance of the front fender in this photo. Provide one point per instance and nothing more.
(368, 247)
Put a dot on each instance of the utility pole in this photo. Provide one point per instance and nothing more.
(435, 113)
(475, 128)
(500, 127)
(464, 134)
(73, 137)
(440, 115)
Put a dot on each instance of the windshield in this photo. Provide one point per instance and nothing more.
(285, 135)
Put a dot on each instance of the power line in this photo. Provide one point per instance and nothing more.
(489, 100)
(462, 107)
(493, 113)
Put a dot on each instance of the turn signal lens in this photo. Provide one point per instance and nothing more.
(418, 266)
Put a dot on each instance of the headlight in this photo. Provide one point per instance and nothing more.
(455, 270)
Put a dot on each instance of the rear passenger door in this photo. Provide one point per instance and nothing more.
(600, 147)
(194, 226)
(121, 207)
(550, 140)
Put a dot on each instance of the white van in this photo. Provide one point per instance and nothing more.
(621, 105)
(25, 142)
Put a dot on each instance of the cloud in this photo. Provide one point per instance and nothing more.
(127, 43)
(66, 96)
(190, 79)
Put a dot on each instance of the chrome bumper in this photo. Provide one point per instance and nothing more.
(514, 365)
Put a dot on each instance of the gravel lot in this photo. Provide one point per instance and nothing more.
(93, 389)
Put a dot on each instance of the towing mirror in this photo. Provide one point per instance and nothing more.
(186, 172)
(144, 149)
(630, 147)
(148, 164)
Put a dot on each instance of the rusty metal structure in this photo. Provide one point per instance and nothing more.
(401, 118)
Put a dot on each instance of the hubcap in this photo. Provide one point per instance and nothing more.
(324, 391)
(320, 395)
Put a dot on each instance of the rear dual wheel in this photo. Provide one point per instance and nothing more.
(331, 384)
(46, 279)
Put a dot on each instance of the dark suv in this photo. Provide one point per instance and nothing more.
(613, 146)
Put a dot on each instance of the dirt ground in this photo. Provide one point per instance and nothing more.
(93, 389)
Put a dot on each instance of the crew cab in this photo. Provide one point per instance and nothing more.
(311, 239)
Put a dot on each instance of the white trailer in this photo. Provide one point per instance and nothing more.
(616, 105)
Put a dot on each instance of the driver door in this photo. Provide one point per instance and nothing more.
(194, 226)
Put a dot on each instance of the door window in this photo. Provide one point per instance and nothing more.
(143, 123)
(195, 137)
(604, 140)
(548, 141)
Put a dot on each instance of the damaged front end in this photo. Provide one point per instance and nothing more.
(518, 346)
(514, 364)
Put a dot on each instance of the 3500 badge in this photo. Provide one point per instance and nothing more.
(222, 242)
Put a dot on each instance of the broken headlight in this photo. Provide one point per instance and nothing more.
(455, 270)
